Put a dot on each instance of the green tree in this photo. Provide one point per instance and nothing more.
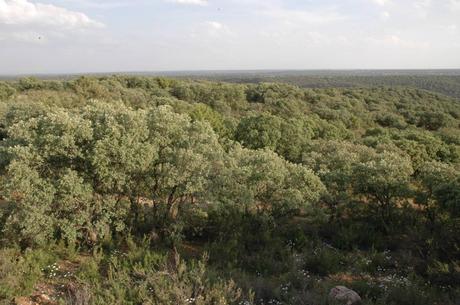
(6, 91)
(435, 180)
(295, 136)
(259, 131)
(261, 181)
(50, 184)
(335, 162)
(384, 181)
(122, 152)
(186, 152)
(433, 120)
(30, 83)
(202, 112)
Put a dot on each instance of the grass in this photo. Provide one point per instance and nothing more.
(141, 274)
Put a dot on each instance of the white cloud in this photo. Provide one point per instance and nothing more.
(25, 37)
(397, 41)
(215, 25)
(424, 3)
(191, 2)
(381, 2)
(423, 7)
(450, 27)
(384, 15)
(217, 29)
(300, 17)
(102, 4)
(455, 5)
(26, 13)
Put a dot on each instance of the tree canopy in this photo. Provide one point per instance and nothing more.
(268, 178)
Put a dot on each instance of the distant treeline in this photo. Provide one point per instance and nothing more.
(444, 82)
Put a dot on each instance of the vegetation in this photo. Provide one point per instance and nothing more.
(445, 82)
(140, 190)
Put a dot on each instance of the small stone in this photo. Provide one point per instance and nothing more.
(345, 295)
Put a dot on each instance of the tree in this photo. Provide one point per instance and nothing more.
(391, 120)
(435, 180)
(448, 196)
(6, 91)
(90, 88)
(384, 180)
(259, 131)
(47, 182)
(439, 199)
(295, 136)
(30, 83)
(204, 113)
(334, 162)
(31, 221)
(433, 120)
(271, 92)
(186, 152)
(121, 152)
(261, 181)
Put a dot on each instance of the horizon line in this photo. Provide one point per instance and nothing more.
(191, 71)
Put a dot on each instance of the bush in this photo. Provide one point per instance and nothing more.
(141, 276)
(20, 271)
(324, 260)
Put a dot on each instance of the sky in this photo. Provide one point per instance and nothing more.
(78, 36)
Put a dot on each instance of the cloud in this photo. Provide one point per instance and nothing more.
(102, 4)
(397, 41)
(215, 25)
(384, 15)
(26, 13)
(423, 3)
(190, 2)
(423, 7)
(450, 27)
(217, 29)
(23, 37)
(455, 5)
(381, 2)
(299, 17)
(230, 34)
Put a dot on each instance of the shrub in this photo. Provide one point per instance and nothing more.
(20, 271)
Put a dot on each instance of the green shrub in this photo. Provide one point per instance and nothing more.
(20, 271)
(143, 276)
(324, 261)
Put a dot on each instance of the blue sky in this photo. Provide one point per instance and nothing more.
(64, 36)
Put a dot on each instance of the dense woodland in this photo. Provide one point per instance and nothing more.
(446, 82)
(142, 190)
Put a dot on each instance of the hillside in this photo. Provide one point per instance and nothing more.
(156, 190)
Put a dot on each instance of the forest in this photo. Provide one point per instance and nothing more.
(446, 82)
(158, 190)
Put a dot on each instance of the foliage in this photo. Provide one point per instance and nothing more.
(19, 272)
(261, 131)
(290, 190)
